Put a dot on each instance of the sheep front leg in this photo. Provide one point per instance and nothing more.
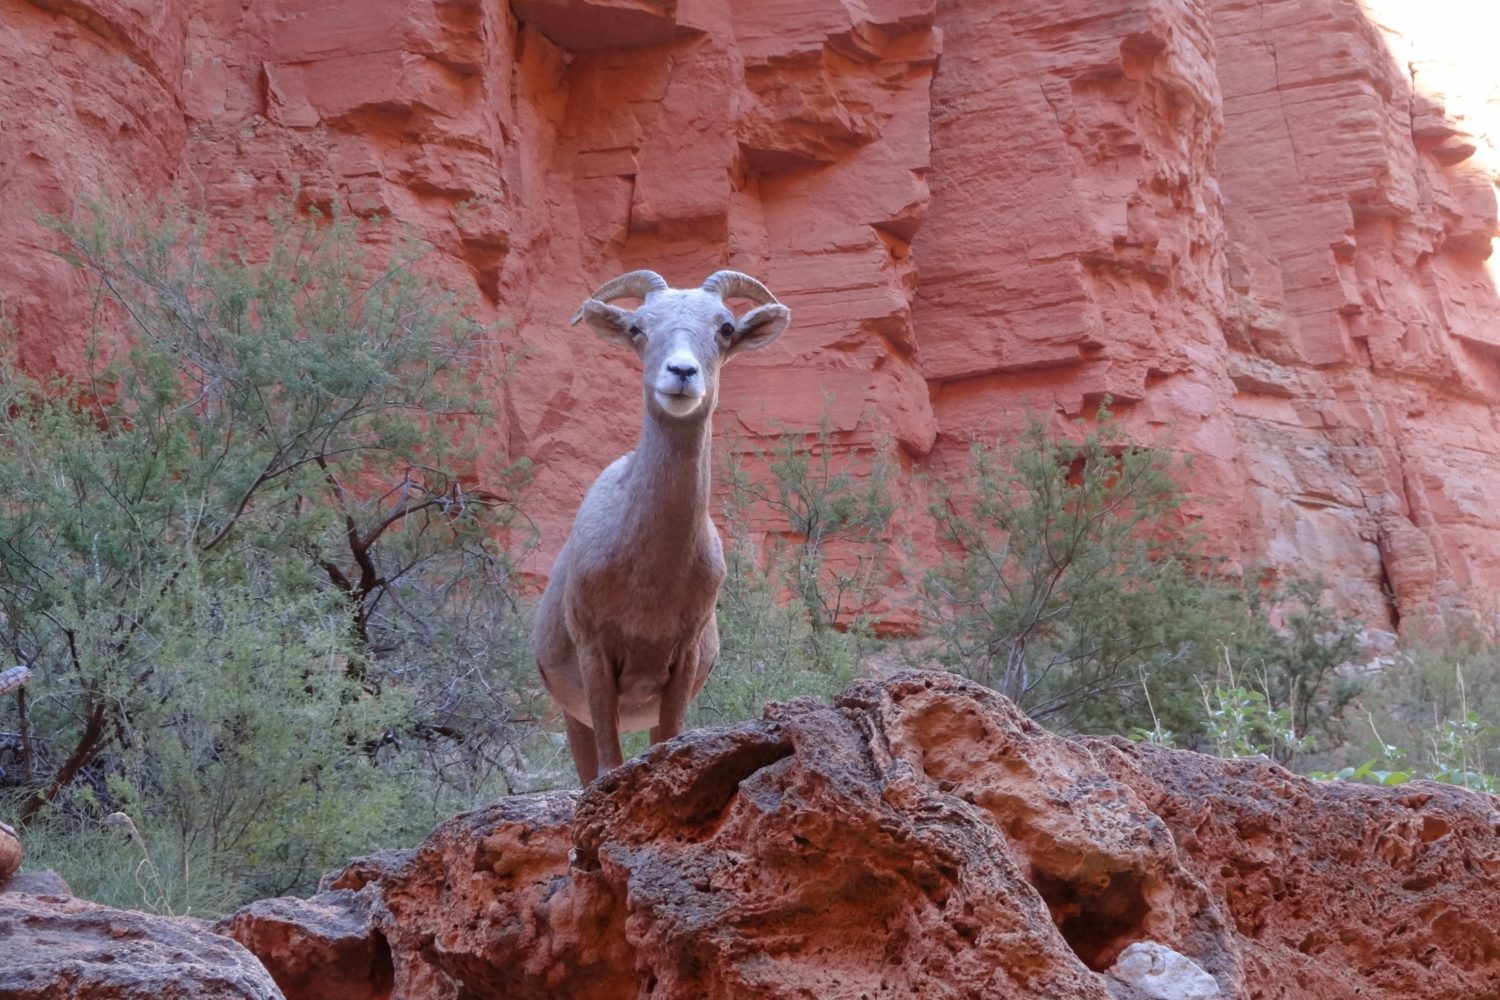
(672, 719)
(585, 754)
(604, 708)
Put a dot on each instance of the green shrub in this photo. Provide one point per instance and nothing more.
(1244, 722)
(119, 865)
(1434, 676)
(258, 588)
(770, 649)
(1069, 578)
(1425, 714)
(824, 527)
(826, 522)
(1072, 586)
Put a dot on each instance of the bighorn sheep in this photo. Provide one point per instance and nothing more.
(625, 634)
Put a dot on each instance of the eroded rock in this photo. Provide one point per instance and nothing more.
(922, 838)
(323, 948)
(42, 883)
(51, 947)
(1333, 889)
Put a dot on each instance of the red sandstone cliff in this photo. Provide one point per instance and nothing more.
(1254, 223)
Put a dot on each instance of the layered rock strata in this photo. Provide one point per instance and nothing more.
(1262, 228)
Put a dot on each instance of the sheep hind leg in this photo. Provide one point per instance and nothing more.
(585, 753)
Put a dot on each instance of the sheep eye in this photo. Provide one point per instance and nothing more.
(726, 331)
(635, 330)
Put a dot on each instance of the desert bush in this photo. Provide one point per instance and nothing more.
(112, 861)
(1069, 578)
(1073, 586)
(826, 520)
(770, 648)
(1427, 712)
(793, 610)
(245, 553)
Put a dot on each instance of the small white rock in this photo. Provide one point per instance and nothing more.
(1163, 974)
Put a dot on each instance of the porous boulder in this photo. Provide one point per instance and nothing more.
(53, 947)
(922, 837)
(317, 949)
(37, 883)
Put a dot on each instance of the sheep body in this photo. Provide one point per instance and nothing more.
(602, 585)
(625, 634)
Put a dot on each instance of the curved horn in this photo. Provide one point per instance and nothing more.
(630, 285)
(733, 284)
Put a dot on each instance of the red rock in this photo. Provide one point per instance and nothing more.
(11, 854)
(1262, 228)
(923, 838)
(589, 24)
(42, 883)
(322, 948)
(59, 947)
(1333, 889)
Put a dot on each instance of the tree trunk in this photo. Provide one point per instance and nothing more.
(90, 743)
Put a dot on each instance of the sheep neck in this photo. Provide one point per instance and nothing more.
(671, 475)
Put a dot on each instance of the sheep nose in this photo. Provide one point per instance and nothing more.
(682, 370)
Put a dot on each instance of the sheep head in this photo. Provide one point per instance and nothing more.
(684, 336)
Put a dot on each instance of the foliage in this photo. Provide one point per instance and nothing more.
(1074, 586)
(773, 649)
(244, 551)
(765, 642)
(1425, 681)
(1243, 722)
(1452, 752)
(1295, 663)
(1069, 577)
(822, 509)
(110, 863)
(1426, 719)
(1436, 676)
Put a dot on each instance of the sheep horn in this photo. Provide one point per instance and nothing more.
(631, 285)
(733, 284)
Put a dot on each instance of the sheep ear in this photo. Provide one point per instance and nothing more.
(611, 323)
(759, 327)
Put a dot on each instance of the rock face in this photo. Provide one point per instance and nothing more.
(920, 838)
(316, 949)
(1262, 227)
(52, 946)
